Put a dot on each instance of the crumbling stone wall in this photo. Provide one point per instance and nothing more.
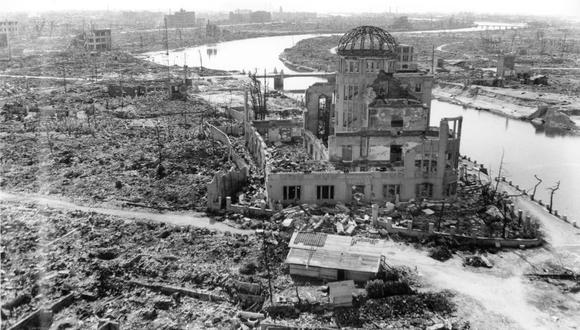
(314, 146)
(229, 183)
(256, 146)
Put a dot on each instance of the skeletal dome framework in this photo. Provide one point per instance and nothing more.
(366, 41)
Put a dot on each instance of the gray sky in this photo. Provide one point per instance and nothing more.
(552, 7)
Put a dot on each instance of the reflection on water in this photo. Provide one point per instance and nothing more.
(211, 52)
(528, 151)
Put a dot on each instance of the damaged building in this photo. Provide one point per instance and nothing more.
(372, 124)
(95, 40)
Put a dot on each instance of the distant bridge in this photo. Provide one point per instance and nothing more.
(298, 74)
(280, 76)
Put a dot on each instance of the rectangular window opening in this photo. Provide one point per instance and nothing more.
(324, 192)
(291, 192)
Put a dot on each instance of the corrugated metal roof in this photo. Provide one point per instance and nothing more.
(310, 239)
(334, 259)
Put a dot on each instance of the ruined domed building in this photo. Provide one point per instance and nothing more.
(372, 124)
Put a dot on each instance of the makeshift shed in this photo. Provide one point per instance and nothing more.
(332, 257)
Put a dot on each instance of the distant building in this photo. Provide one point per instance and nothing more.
(293, 16)
(8, 27)
(248, 16)
(212, 31)
(97, 40)
(260, 17)
(181, 19)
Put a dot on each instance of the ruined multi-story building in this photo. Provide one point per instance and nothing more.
(97, 40)
(181, 19)
(9, 27)
(372, 124)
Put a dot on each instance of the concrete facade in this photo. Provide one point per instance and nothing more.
(372, 123)
(98, 40)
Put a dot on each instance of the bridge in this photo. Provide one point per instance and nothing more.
(280, 76)
(491, 26)
(299, 74)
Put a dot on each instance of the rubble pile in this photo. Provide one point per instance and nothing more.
(339, 219)
(391, 301)
(477, 261)
(144, 151)
(474, 212)
(419, 311)
(82, 64)
(293, 157)
(140, 274)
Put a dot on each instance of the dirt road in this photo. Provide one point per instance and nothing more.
(182, 218)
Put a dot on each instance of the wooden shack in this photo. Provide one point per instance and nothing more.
(331, 257)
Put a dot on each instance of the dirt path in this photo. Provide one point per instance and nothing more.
(182, 218)
(47, 77)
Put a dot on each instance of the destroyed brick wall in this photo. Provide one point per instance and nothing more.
(283, 130)
(314, 146)
(313, 119)
(235, 114)
(225, 184)
(409, 231)
(426, 163)
(256, 146)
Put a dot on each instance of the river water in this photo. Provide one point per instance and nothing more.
(485, 136)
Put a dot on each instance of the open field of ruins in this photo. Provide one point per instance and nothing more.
(139, 195)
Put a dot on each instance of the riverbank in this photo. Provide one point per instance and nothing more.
(513, 103)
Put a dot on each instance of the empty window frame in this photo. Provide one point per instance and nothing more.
(347, 153)
(396, 121)
(322, 102)
(352, 66)
(396, 153)
(291, 193)
(424, 190)
(418, 88)
(451, 189)
(390, 191)
(372, 66)
(324, 192)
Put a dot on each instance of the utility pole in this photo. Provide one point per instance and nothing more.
(433, 61)
(64, 76)
(441, 216)
(122, 91)
(200, 61)
(166, 38)
(264, 248)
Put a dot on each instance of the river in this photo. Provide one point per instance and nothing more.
(485, 136)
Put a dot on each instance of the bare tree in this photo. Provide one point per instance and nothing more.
(552, 191)
(536, 186)
(160, 168)
(499, 173)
